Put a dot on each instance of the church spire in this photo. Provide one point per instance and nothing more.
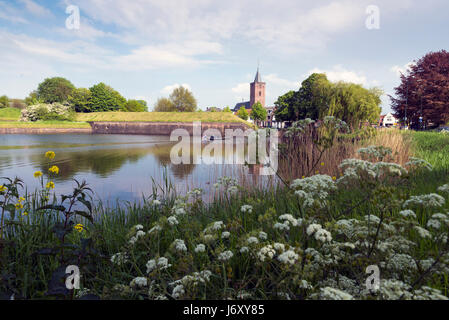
(258, 78)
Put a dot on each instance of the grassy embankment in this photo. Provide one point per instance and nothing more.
(9, 118)
(236, 252)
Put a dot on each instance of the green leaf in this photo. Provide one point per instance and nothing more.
(84, 214)
(52, 207)
(86, 203)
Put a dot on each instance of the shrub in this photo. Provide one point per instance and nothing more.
(46, 112)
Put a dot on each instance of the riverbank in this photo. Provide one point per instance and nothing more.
(117, 127)
(249, 243)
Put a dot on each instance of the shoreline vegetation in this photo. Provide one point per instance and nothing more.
(10, 119)
(311, 238)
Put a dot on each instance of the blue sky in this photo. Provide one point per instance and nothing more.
(144, 48)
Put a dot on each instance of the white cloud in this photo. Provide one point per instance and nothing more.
(36, 9)
(169, 89)
(11, 14)
(284, 25)
(398, 70)
(338, 73)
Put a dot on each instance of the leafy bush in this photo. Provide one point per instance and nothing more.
(47, 112)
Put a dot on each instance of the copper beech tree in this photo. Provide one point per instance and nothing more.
(422, 98)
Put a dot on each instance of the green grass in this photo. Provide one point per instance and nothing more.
(32, 269)
(432, 146)
(45, 125)
(160, 116)
(9, 114)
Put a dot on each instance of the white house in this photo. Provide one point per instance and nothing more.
(388, 120)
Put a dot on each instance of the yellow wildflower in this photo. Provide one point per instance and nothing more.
(50, 155)
(19, 206)
(38, 174)
(21, 199)
(50, 185)
(334, 178)
(79, 227)
(54, 170)
(322, 164)
(2, 188)
(25, 213)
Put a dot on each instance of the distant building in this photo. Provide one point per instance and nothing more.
(388, 120)
(257, 94)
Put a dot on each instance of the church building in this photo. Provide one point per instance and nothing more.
(257, 94)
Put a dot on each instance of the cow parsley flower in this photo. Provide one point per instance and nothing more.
(311, 229)
(263, 236)
(200, 248)
(173, 221)
(119, 258)
(323, 236)
(225, 256)
(408, 214)
(417, 163)
(244, 249)
(434, 224)
(139, 282)
(246, 209)
(329, 293)
(279, 247)
(180, 245)
(178, 291)
(432, 200)
(314, 190)
(423, 233)
(444, 188)
(252, 240)
(288, 257)
(225, 235)
(266, 252)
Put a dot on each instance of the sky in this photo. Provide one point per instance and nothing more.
(145, 48)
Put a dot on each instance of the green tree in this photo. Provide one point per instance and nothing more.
(354, 104)
(55, 90)
(164, 105)
(284, 106)
(183, 100)
(136, 106)
(4, 102)
(258, 113)
(227, 109)
(33, 99)
(242, 113)
(318, 98)
(81, 100)
(105, 98)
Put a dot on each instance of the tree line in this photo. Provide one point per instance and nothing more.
(98, 98)
(318, 97)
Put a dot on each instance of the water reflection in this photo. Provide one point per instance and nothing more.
(116, 166)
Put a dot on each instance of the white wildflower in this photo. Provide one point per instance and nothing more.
(288, 257)
(408, 214)
(225, 235)
(139, 282)
(252, 240)
(263, 236)
(225, 256)
(179, 245)
(173, 221)
(200, 248)
(246, 209)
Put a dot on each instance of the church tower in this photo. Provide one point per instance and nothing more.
(257, 93)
